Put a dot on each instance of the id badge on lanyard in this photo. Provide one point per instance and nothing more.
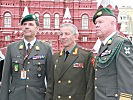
(23, 74)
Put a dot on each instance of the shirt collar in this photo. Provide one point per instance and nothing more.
(31, 43)
(70, 50)
(106, 40)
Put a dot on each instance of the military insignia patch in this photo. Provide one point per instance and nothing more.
(21, 46)
(37, 47)
(75, 52)
(34, 16)
(78, 65)
(107, 52)
(16, 67)
(93, 61)
(127, 50)
(109, 41)
(99, 13)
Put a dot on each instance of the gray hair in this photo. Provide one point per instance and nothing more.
(73, 27)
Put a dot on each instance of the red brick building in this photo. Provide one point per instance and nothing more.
(50, 14)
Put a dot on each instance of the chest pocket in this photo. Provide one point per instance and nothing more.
(17, 64)
(104, 61)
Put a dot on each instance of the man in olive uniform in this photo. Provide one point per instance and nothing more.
(26, 65)
(114, 61)
(72, 76)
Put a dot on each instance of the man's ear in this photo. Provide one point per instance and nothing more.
(76, 36)
(19, 26)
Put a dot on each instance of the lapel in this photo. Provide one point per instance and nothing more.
(69, 61)
(35, 49)
(103, 48)
(21, 47)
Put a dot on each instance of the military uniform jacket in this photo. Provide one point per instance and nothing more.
(36, 66)
(114, 70)
(72, 79)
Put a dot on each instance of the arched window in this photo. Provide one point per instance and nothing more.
(46, 21)
(56, 20)
(84, 22)
(7, 20)
(37, 15)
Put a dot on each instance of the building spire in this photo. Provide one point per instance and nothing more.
(108, 3)
(67, 16)
(26, 11)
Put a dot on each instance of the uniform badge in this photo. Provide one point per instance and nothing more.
(23, 74)
(107, 52)
(75, 52)
(127, 50)
(93, 61)
(16, 67)
(99, 13)
(61, 53)
(37, 47)
(109, 41)
(78, 65)
(21, 46)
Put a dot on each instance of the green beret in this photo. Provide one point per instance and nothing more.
(103, 12)
(29, 17)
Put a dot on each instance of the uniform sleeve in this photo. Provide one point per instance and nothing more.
(124, 63)
(90, 77)
(4, 94)
(50, 85)
(49, 62)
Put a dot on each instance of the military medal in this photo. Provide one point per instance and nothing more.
(16, 67)
(23, 74)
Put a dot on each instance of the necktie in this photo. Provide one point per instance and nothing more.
(28, 50)
(67, 53)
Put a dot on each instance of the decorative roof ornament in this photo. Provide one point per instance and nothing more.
(67, 16)
(26, 11)
(108, 3)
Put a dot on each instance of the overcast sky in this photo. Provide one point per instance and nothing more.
(121, 2)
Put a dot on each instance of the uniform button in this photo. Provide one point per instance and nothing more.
(28, 70)
(59, 81)
(70, 97)
(116, 95)
(39, 63)
(16, 61)
(105, 58)
(95, 87)
(59, 97)
(28, 62)
(69, 81)
(95, 69)
(95, 78)
(9, 90)
(27, 86)
(28, 78)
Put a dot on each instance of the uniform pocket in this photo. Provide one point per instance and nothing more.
(111, 92)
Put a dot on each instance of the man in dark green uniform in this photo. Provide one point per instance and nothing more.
(26, 65)
(72, 76)
(114, 61)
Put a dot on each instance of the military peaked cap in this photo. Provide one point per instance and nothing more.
(103, 12)
(29, 17)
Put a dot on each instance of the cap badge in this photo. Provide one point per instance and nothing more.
(99, 13)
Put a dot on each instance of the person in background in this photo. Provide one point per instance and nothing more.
(27, 63)
(72, 76)
(114, 61)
